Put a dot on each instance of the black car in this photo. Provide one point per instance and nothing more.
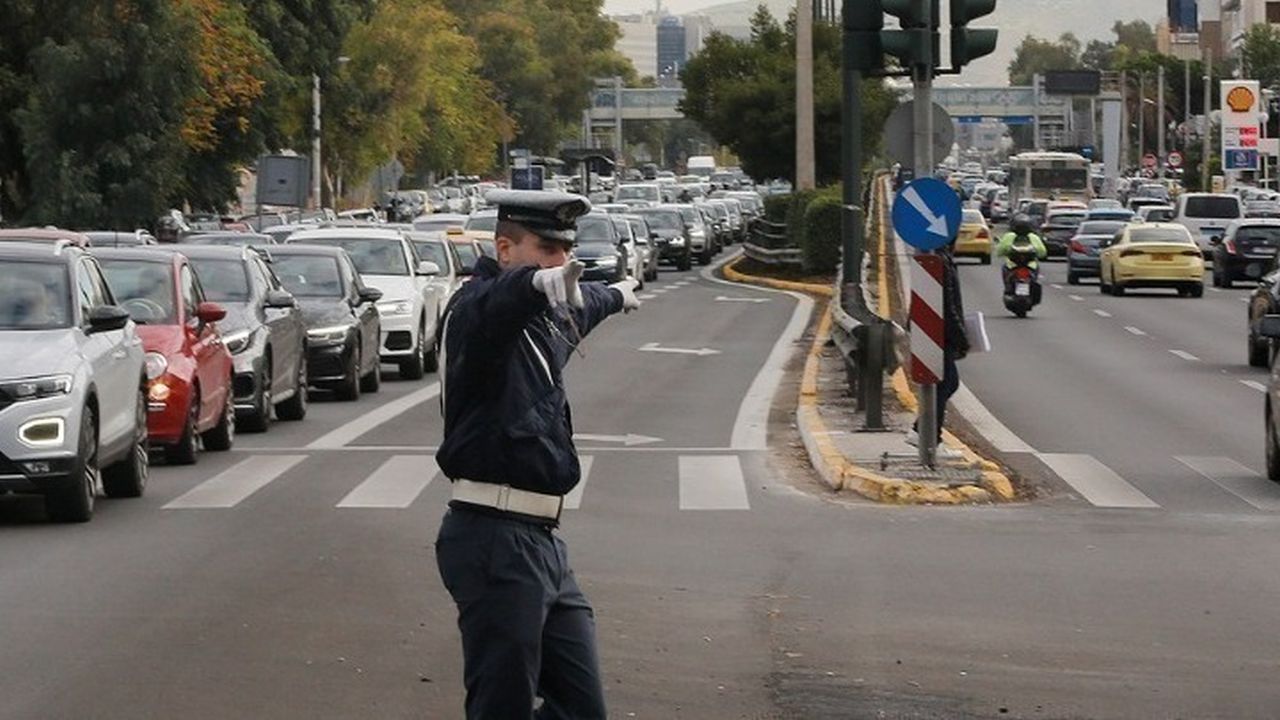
(668, 230)
(1246, 251)
(1058, 229)
(599, 248)
(263, 330)
(343, 326)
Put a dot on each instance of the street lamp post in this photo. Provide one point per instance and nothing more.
(316, 161)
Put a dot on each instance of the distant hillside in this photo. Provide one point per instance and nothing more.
(1088, 19)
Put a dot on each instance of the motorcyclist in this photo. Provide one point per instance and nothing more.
(1021, 237)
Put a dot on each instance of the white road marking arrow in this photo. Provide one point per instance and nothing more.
(937, 225)
(653, 347)
(725, 298)
(629, 439)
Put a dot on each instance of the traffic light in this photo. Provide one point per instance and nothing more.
(969, 44)
(918, 33)
(864, 20)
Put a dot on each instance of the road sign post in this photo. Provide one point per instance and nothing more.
(926, 214)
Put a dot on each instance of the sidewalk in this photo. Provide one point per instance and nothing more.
(878, 465)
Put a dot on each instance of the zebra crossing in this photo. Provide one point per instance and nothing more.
(1102, 487)
(691, 482)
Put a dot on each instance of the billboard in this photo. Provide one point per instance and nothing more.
(1072, 82)
(1240, 132)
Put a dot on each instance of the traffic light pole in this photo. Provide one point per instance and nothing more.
(922, 109)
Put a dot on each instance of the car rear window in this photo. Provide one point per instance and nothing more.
(1067, 218)
(1100, 227)
(1267, 234)
(972, 217)
(663, 219)
(1160, 235)
(483, 223)
(1213, 206)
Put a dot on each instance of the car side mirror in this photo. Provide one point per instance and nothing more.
(105, 318)
(368, 295)
(426, 267)
(280, 300)
(210, 312)
(1269, 327)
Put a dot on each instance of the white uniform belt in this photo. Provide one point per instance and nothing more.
(505, 497)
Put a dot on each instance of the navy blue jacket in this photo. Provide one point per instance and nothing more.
(506, 418)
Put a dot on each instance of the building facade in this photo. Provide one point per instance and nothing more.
(672, 48)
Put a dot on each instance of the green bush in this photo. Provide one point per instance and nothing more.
(821, 242)
(800, 200)
(775, 208)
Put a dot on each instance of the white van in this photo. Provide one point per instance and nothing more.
(702, 165)
(1207, 215)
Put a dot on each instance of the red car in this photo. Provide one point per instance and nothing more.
(188, 367)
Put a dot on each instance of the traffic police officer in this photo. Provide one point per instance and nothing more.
(527, 630)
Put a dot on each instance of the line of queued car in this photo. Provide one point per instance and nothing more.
(115, 351)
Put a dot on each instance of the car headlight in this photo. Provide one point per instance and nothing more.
(396, 307)
(677, 241)
(237, 341)
(333, 335)
(36, 388)
(155, 364)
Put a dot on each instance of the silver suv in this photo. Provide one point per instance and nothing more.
(72, 383)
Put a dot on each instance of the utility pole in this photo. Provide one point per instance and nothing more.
(1160, 120)
(922, 109)
(1142, 116)
(1124, 122)
(805, 173)
(1208, 126)
(315, 140)
(1035, 99)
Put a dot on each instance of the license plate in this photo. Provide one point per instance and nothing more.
(1163, 257)
(1022, 289)
(1208, 232)
(1262, 251)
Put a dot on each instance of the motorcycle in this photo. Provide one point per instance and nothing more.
(1022, 282)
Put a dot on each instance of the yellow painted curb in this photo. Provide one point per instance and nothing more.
(733, 274)
(839, 473)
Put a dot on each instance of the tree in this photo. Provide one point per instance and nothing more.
(100, 131)
(1135, 35)
(742, 92)
(1098, 55)
(1261, 54)
(1036, 56)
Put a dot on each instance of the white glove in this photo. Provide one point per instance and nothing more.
(560, 284)
(628, 289)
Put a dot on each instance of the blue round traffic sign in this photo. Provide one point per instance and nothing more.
(926, 214)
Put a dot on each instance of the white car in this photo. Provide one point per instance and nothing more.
(639, 195)
(635, 258)
(409, 307)
(437, 248)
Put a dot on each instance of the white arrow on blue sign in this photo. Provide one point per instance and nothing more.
(926, 214)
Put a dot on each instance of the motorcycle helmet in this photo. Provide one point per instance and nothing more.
(1021, 224)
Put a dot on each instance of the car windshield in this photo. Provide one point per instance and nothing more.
(640, 230)
(33, 296)
(372, 256)
(434, 251)
(144, 288)
(1160, 235)
(222, 280)
(691, 215)
(484, 223)
(1264, 234)
(664, 219)
(1213, 206)
(637, 192)
(309, 275)
(595, 229)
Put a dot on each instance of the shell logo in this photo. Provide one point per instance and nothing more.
(1240, 99)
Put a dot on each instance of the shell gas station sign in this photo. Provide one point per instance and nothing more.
(1241, 105)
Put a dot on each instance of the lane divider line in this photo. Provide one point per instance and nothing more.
(1101, 313)
(1185, 355)
(1133, 330)
(1077, 298)
(1254, 384)
(1056, 286)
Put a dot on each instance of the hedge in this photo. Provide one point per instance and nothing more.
(821, 240)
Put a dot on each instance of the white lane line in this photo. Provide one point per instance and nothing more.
(986, 424)
(1255, 385)
(712, 483)
(1077, 298)
(231, 486)
(1185, 355)
(660, 291)
(1214, 289)
(646, 296)
(372, 419)
(1238, 480)
(1056, 286)
(1099, 484)
(1244, 299)
(1133, 330)
(396, 484)
(1101, 313)
(573, 500)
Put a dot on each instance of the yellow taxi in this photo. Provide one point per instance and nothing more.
(1152, 255)
(974, 239)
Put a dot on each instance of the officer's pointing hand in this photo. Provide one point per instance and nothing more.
(560, 284)
(628, 289)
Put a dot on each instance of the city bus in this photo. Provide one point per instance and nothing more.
(1050, 176)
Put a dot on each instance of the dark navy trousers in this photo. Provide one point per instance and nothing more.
(528, 632)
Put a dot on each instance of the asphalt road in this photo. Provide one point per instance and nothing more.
(294, 576)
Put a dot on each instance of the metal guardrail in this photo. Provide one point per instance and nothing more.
(767, 243)
(773, 256)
